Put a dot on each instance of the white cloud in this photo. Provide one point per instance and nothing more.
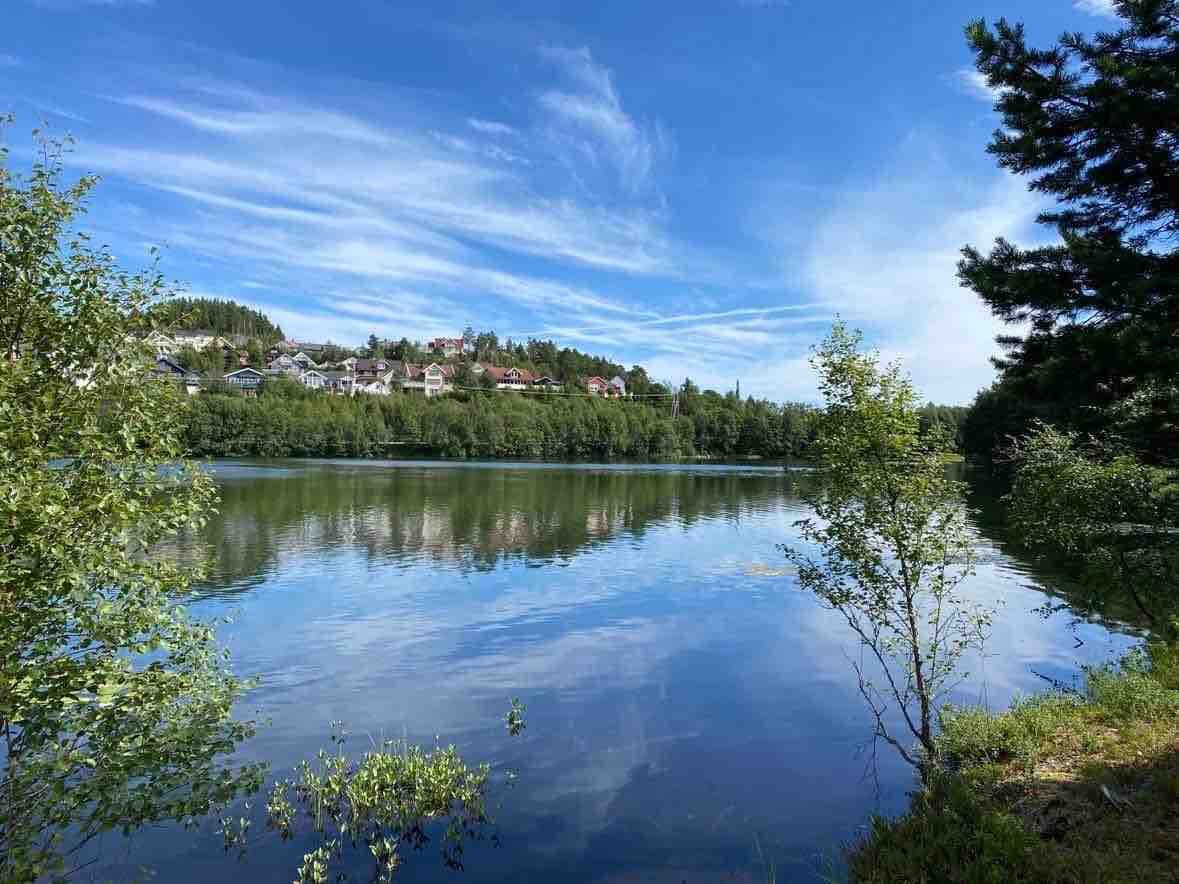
(400, 221)
(886, 257)
(974, 83)
(1104, 8)
(590, 120)
(354, 173)
(490, 127)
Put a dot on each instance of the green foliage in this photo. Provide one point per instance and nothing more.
(114, 704)
(289, 421)
(1093, 121)
(971, 735)
(222, 317)
(948, 835)
(1143, 686)
(1076, 787)
(393, 795)
(1108, 517)
(890, 529)
(515, 718)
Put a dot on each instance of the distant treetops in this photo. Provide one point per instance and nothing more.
(222, 317)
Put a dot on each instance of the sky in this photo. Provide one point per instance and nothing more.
(699, 187)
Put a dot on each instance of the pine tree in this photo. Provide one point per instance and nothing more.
(1095, 123)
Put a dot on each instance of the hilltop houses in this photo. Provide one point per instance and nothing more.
(333, 370)
(429, 380)
(248, 380)
(448, 347)
(166, 368)
(615, 388)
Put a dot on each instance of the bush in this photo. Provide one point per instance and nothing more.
(947, 836)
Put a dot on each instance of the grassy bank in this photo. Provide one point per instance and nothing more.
(1066, 787)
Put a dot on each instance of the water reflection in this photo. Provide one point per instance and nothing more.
(691, 714)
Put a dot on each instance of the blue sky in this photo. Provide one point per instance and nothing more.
(700, 187)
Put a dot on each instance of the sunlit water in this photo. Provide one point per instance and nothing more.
(692, 716)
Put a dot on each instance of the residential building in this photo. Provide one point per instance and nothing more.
(348, 364)
(596, 386)
(248, 380)
(617, 386)
(374, 368)
(430, 380)
(285, 364)
(448, 347)
(544, 382)
(372, 386)
(314, 380)
(303, 361)
(509, 378)
(166, 368)
(200, 339)
(161, 343)
(315, 351)
(341, 383)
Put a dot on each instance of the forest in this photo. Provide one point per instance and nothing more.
(288, 421)
(221, 316)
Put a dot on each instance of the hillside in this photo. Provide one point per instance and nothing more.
(222, 317)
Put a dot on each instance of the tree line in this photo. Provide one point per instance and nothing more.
(220, 316)
(286, 420)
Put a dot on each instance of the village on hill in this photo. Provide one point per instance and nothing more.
(217, 357)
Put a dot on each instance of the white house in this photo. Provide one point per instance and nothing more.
(430, 380)
(199, 339)
(372, 386)
(161, 344)
(313, 379)
(302, 360)
(285, 364)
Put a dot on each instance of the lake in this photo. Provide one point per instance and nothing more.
(691, 715)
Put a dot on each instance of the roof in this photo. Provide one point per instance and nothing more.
(413, 372)
(499, 373)
(595, 379)
(163, 363)
(617, 381)
(372, 364)
(244, 370)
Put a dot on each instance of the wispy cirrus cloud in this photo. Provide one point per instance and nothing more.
(587, 117)
(490, 127)
(1103, 8)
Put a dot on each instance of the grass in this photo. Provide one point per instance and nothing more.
(1060, 788)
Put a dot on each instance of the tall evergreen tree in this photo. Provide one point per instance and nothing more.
(1095, 123)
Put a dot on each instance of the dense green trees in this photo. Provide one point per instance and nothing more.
(213, 314)
(289, 421)
(1085, 404)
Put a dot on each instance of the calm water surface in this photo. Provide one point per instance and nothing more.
(691, 714)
